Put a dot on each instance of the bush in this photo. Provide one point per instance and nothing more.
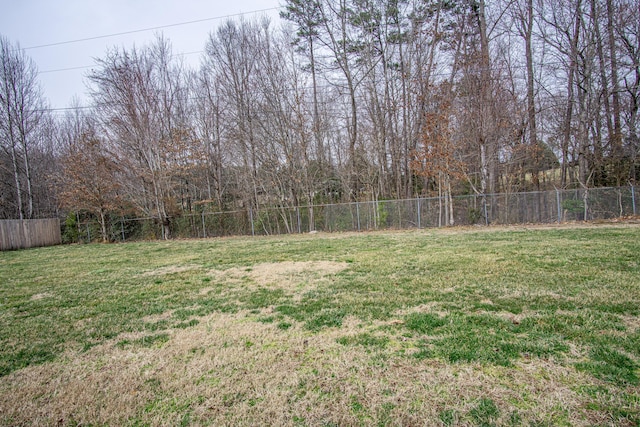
(474, 215)
(70, 229)
(573, 206)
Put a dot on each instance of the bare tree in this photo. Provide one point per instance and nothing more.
(307, 16)
(231, 56)
(616, 137)
(21, 111)
(337, 106)
(628, 32)
(338, 38)
(210, 127)
(563, 32)
(138, 96)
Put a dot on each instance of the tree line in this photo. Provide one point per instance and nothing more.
(340, 100)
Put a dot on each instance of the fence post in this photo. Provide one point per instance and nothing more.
(253, 230)
(419, 225)
(633, 199)
(358, 214)
(122, 227)
(298, 215)
(204, 228)
(78, 227)
(559, 206)
(486, 214)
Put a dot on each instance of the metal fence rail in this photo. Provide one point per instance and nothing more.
(554, 206)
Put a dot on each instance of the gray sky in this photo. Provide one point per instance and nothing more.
(41, 22)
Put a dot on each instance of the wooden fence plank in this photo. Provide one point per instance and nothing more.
(29, 233)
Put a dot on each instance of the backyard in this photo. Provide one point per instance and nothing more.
(461, 326)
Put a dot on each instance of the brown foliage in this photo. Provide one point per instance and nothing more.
(88, 179)
(435, 157)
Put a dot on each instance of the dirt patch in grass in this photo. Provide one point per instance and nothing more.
(229, 371)
(158, 317)
(288, 275)
(268, 273)
(41, 296)
(516, 319)
(170, 269)
(631, 322)
(433, 307)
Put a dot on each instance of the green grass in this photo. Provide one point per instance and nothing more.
(492, 298)
(485, 413)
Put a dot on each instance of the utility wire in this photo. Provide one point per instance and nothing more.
(149, 29)
(336, 86)
(84, 67)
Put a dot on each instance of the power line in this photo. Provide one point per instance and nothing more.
(84, 67)
(150, 28)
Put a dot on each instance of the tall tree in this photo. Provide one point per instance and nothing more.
(21, 111)
(627, 26)
(338, 38)
(138, 95)
(525, 22)
(563, 32)
(307, 17)
(231, 57)
(437, 158)
(616, 137)
(87, 178)
(209, 127)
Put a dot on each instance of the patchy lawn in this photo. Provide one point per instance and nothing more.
(498, 326)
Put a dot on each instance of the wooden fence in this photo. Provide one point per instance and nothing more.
(29, 233)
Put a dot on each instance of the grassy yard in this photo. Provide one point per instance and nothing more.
(507, 326)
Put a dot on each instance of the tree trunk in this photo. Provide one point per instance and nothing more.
(598, 162)
(531, 104)
(16, 177)
(568, 117)
(616, 140)
(103, 227)
(27, 171)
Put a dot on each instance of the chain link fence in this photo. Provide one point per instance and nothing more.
(506, 208)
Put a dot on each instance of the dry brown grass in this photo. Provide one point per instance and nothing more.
(288, 275)
(41, 296)
(242, 369)
(170, 269)
(231, 370)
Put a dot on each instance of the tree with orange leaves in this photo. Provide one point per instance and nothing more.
(435, 158)
(88, 180)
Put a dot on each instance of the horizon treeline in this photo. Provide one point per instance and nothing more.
(339, 100)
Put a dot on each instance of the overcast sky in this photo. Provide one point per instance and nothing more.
(41, 22)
